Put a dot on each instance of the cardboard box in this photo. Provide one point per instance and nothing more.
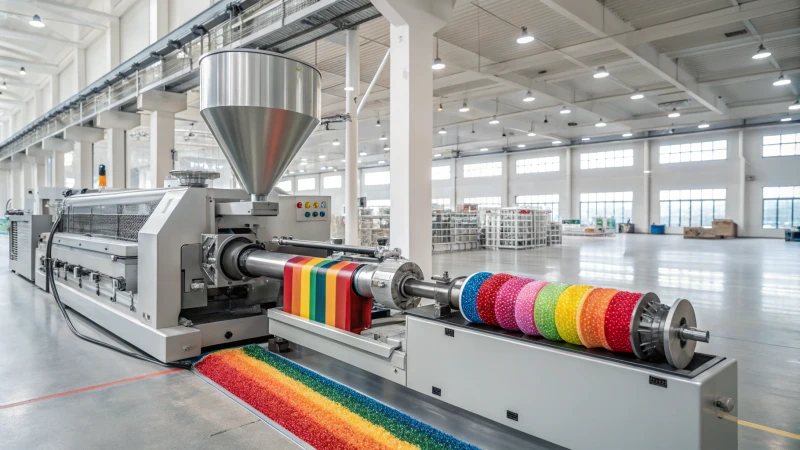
(724, 228)
(698, 233)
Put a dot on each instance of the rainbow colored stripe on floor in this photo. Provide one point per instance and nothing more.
(321, 412)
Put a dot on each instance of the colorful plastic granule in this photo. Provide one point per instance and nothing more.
(506, 303)
(567, 312)
(544, 310)
(523, 311)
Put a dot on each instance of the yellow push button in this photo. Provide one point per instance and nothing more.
(316, 204)
(308, 204)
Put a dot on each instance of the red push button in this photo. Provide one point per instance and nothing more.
(299, 205)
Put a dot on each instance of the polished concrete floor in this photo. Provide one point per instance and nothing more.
(745, 291)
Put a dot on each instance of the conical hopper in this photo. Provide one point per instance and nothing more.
(261, 107)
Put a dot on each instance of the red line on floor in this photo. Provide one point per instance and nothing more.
(88, 388)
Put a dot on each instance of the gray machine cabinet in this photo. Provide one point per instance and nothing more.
(572, 400)
(23, 239)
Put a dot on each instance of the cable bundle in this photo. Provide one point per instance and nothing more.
(578, 314)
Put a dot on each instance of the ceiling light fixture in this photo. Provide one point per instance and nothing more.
(303, 159)
(484, 149)
(36, 21)
(386, 148)
(786, 119)
(601, 72)
(565, 110)
(627, 134)
(4, 86)
(442, 131)
(795, 105)
(762, 53)
(494, 121)
(303, 164)
(291, 172)
(556, 142)
(521, 145)
(336, 142)
(782, 81)
(440, 107)
(437, 155)
(381, 162)
(674, 113)
(322, 156)
(524, 38)
(302, 171)
(600, 124)
(637, 95)
(383, 137)
(531, 134)
(362, 154)
(378, 122)
(703, 124)
(586, 139)
(437, 62)
(529, 97)
(22, 71)
(464, 107)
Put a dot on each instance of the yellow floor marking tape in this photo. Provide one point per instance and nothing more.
(762, 427)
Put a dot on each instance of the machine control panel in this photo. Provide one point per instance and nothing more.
(310, 208)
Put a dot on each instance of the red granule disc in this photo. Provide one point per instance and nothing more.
(618, 321)
(487, 295)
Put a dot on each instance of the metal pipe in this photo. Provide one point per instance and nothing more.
(693, 334)
(433, 290)
(372, 83)
(263, 263)
(327, 246)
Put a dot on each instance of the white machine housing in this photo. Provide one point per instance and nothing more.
(147, 287)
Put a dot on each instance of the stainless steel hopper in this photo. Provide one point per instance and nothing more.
(261, 107)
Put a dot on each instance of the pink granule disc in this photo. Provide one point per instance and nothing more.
(523, 309)
(506, 302)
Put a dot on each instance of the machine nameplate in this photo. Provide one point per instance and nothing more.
(660, 382)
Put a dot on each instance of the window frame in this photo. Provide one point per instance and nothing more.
(780, 144)
(538, 163)
(585, 158)
(476, 170)
(604, 201)
(692, 198)
(687, 150)
(794, 212)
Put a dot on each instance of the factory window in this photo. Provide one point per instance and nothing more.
(376, 178)
(489, 169)
(286, 185)
(441, 203)
(332, 182)
(440, 173)
(696, 151)
(781, 207)
(538, 165)
(602, 160)
(306, 184)
(780, 145)
(543, 201)
(618, 205)
(378, 203)
(483, 201)
(692, 208)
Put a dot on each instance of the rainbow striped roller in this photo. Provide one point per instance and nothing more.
(319, 411)
(321, 290)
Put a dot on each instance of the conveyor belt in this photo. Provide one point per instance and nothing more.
(699, 364)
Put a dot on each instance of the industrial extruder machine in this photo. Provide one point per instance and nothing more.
(175, 270)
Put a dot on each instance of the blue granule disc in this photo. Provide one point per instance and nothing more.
(467, 299)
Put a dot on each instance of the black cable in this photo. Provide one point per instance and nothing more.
(9, 201)
(51, 281)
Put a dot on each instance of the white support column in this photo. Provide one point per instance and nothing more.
(412, 24)
(82, 164)
(116, 123)
(112, 44)
(352, 79)
(507, 200)
(15, 184)
(742, 184)
(54, 91)
(454, 182)
(55, 149)
(79, 67)
(5, 175)
(25, 180)
(162, 106)
(646, 206)
(159, 19)
(571, 208)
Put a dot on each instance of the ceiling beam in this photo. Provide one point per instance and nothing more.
(30, 66)
(69, 8)
(727, 78)
(600, 21)
(745, 41)
(21, 35)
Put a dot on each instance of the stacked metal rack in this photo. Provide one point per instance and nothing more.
(455, 230)
(517, 228)
(373, 224)
(554, 234)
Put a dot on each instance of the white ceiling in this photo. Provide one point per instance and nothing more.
(563, 57)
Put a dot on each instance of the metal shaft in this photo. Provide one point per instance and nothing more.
(326, 246)
(439, 291)
(693, 334)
